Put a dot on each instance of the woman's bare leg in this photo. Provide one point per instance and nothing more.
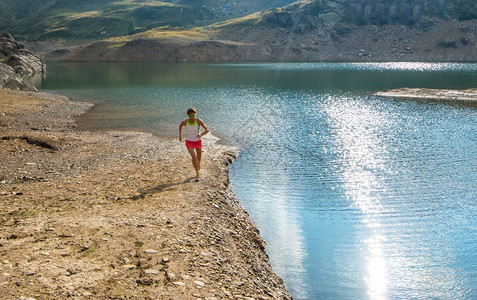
(194, 160)
(199, 156)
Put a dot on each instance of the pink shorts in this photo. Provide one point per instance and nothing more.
(196, 144)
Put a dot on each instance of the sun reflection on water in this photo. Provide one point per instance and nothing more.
(402, 248)
(410, 66)
(354, 132)
(376, 268)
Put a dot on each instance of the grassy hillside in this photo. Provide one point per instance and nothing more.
(99, 19)
(94, 19)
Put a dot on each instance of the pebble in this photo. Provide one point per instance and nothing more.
(165, 259)
(151, 271)
(150, 251)
(45, 253)
(72, 271)
(29, 273)
(129, 267)
(170, 276)
(199, 283)
(179, 283)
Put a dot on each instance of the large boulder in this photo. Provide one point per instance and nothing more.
(15, 55)
(8, 44)
(25, 62)
(16, 62)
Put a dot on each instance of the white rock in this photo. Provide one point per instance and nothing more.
(129, 267)
(170, 276)
(151, 271)
(199, 283)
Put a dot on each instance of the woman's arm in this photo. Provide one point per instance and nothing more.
(201, 124)
(180, 130)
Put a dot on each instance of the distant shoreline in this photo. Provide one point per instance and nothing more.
(468, 95)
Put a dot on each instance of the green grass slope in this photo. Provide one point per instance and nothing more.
(94, 19)
(99, 19)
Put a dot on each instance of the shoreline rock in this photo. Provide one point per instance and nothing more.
(10, 80)
(16, 63)
(118, 214)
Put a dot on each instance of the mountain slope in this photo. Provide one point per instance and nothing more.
(308, 15)
(97, 19)
(321, 30)
(357, 30)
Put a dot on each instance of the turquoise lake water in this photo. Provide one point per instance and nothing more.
(357, 196)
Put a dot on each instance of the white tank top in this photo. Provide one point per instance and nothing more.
(192, 130)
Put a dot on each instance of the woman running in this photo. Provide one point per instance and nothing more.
(193, 138)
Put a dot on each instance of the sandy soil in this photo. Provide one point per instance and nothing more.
(118, 215)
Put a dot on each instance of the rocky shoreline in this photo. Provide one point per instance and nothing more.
(117, 214)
